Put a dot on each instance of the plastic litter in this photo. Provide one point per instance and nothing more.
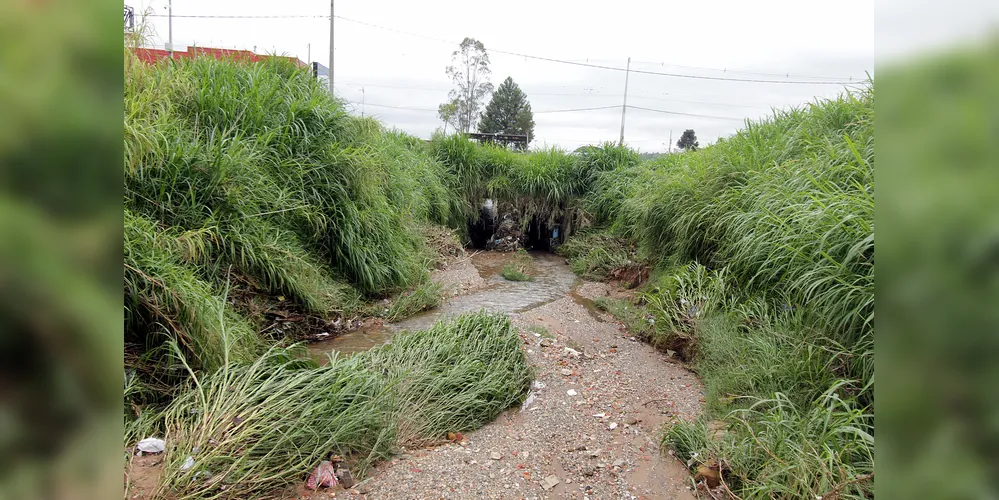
(187, 463)
(151, 445)
(323, 477)
(528, 401)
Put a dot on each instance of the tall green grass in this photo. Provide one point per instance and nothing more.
(764, 245)
(255, 428)
(252, 172)
(549, 184)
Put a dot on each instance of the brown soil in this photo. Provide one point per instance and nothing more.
(142, 474)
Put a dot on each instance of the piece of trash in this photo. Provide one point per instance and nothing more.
(151, 445)
(538, 385)
(187, 463)
(496, 455)
(612, 426)
(550, 482)
(600, 415)
(572, 352)
(323, 477)
(571, 392)
(528, 401)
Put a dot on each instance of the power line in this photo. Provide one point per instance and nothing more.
(746, 72)
(701, 102)
(569, 110)
(239, 17)
(686, 114)
(535, 112)
(612, 68)
(528, 56)
(394, 107)
(577, 94)
(572, 110)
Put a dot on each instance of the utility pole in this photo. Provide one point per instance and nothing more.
(308, 53)
(362, 102)
(624, 107)
(170, 29)
(331, 46)
(670, 141)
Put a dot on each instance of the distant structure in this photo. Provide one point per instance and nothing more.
(519, 141)
(151, 56)
(129, 19)
(320, 72)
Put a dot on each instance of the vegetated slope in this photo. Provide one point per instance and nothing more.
(764, 253)
(251, 174)
(549, 184)
(253, 429)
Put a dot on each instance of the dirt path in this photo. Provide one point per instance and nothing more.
(561, 436)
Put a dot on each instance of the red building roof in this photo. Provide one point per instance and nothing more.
(153, 55)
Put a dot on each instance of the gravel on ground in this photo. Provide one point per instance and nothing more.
(591, 429)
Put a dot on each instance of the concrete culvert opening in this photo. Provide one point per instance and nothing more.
(542, 235)
(481, 230)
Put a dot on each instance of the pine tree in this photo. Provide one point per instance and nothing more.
(508, 112)
(688, 141)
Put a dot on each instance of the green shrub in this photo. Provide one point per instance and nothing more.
(519, 267)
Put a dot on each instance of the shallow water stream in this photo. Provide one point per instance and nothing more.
(552, 280)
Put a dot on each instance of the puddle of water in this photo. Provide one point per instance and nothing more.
(588, 304)
(358, 340)
(552, 280)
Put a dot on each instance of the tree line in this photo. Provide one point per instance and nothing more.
(508, 110)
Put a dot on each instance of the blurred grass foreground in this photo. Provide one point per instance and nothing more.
(240, 175)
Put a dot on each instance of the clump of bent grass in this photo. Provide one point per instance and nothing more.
(456, 376)
(253, 429)
(774, 448)
(424, 296)
(594, 254)
(518, 268)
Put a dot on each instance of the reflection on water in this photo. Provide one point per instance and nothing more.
(552, 280)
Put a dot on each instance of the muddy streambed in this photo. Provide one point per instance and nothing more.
(552, 280)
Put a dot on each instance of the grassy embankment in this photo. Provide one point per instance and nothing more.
(248, 189)
(248, 181)
(763, 279)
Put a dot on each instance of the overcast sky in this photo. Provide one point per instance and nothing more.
(807, 40)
